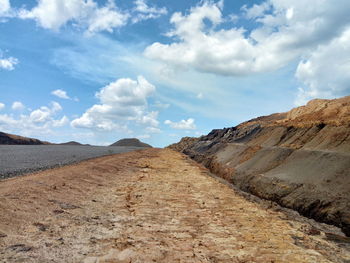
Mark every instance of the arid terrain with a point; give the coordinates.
(151, 206)
(300, 159)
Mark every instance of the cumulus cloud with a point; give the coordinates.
(17, 105)
(122, 101)
(8, 63)
(2, 106)
(44, 114)
(106, 19)
(182, 125)
(86, 14)
(38, 121)
(144, 12)
(60, 94)
(4, 7)
(326, 71)
(287, 31)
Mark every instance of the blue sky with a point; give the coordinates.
(98, 71)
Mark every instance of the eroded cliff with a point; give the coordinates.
(300, 159)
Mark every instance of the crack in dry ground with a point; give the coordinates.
(147, 206)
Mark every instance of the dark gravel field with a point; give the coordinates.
(21, 159)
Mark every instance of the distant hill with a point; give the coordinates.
(71, 143)
(11, 139)
(131, 142)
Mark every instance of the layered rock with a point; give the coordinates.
(300, 159)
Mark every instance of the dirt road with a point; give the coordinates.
(147, 206)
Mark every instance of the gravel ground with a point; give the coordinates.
(21, 159)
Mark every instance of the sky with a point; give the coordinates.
(96, 71)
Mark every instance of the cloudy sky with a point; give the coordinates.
(96, 71)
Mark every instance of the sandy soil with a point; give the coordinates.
(148, 206)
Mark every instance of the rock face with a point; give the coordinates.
(10, 139)
(300, 159)
(131, 142)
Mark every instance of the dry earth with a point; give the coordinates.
(149, 206)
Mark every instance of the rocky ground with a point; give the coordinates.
(151, 206)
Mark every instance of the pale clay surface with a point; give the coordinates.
(147, 206)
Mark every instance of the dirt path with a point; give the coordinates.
(147, 206)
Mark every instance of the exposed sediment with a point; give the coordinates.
(300, 159)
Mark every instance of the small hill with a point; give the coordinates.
(11, 139)
(73, 143)
(133, 142)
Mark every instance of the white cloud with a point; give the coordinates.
(8, 63)
(144, 12)
(161, 105)
(60, 122)
(144, 136)
(56, 107)
(287, 31)
(149, 119)
(38, 122)
(88, 15)
(4, 6)
(182, 125)
(2, 106)
(61, 94)
(256, 11)
(200, 95)
(106, 19)
(326, 71)
(121, 101)
(153, 130)
(17, 105)
(223, 52)
(40, 115)
(53, 14)
(44, 114)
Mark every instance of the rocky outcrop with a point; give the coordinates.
(185, 143)
(300, 159)
(10, 139)
(131, 142)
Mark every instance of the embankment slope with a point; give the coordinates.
(300, 159)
